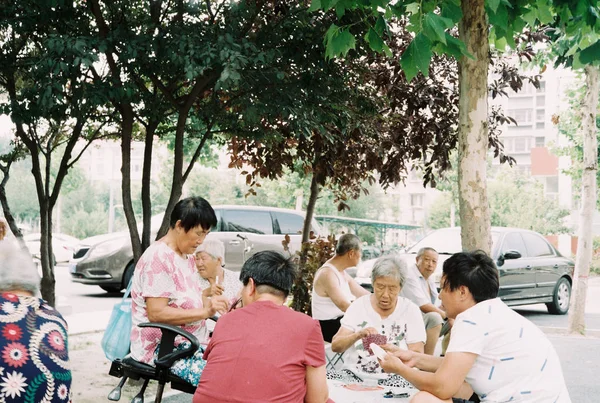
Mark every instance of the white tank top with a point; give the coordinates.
(323, 308)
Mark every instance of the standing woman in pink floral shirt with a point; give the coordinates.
(166, 287)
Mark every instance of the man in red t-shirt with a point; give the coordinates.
(265, 352)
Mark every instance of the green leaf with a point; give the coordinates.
(416, 57)
(590, 54)
(500, 17)
(588, 39)
(413, 8)
(456, 48)
(493, 4)
(435, 27)
(544, 14)
(328, 4)
(380, 26)
(338, 42)
(387, 50)
(451, 10)
(530, 16)
(314, 5)
(374, 40)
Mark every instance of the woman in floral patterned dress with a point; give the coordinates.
(166, 288)
(34, 358)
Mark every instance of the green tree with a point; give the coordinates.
(51, 101)
(479, 24)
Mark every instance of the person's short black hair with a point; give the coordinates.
(272, 269)
(193, 212)
(474, 270)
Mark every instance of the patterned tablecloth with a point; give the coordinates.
(340, 394)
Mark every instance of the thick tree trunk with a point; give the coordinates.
(473, 131)
(588, 201)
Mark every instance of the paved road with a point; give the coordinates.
(76, 298)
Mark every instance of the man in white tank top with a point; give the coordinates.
(333, 289)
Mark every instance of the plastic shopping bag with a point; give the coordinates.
(117, 336)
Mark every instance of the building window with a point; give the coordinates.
(542, 87)
(552, 184)
(540, 141)
(540, 100)
(522, 116)
(416, 200)
(521, 144)
(540, 125)
(540, 114)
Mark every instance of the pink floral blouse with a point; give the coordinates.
(162, 273)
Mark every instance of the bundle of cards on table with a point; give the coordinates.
(378, 339)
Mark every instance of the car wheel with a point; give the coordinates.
(111, 288)
(560, 298)
(127, 275)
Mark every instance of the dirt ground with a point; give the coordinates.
(89, 366)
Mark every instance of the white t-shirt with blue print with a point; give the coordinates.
(515, 360)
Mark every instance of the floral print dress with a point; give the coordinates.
(162, 273)
(34, 358)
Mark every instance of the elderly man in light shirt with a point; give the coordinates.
(420, 288)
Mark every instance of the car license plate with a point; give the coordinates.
(72, 267)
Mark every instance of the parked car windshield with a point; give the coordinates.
(445, 241)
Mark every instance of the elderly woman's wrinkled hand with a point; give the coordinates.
(216, 289)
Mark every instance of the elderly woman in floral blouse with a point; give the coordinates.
(34, 356)
(166, 287)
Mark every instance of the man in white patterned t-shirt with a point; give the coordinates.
(494, 351)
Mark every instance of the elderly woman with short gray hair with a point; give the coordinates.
(215, 278)
(34, 355)
(382, 317)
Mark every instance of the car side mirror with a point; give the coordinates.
(512, 254)
(509, 254)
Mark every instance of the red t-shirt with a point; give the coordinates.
(259, 354)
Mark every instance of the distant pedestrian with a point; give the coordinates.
(34, 353)
(493, 351)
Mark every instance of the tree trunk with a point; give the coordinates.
(310, 208)
(473, 131)
(126, 138)
(588, 201)
(303, 285)
(10, 219)
(146, 179)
